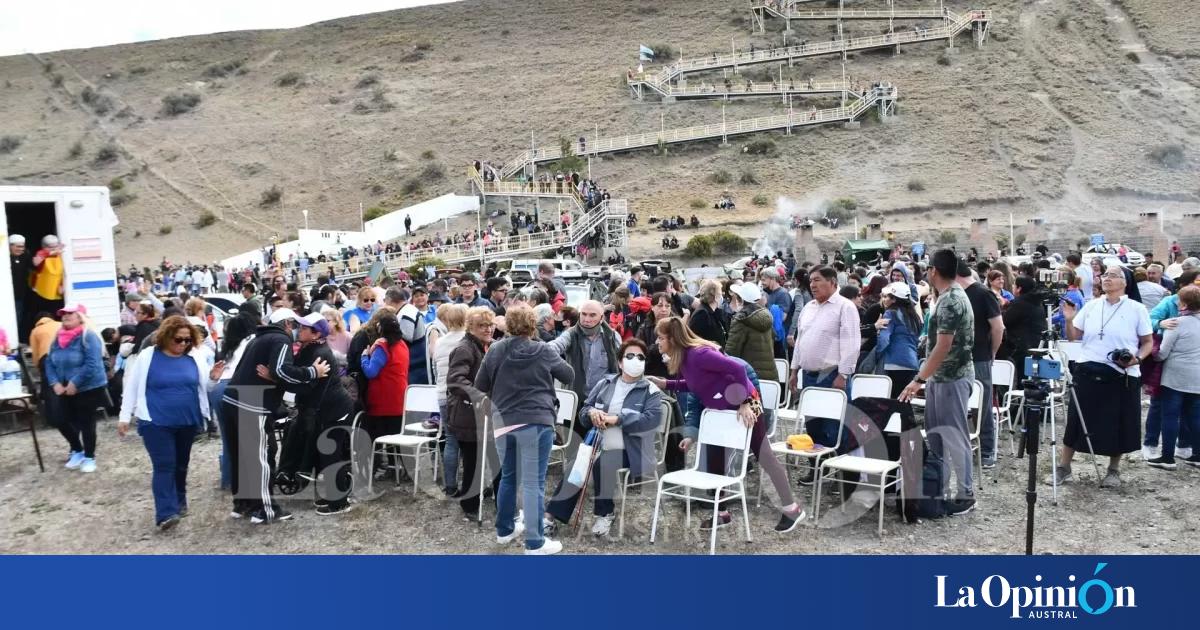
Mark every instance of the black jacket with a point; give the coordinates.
(271, 347)
(461, 395)
(710, 324)
(1024, 322)
(325, 398)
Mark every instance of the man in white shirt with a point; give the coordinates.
(1083, 275)
(1107, 391)
(827, 344)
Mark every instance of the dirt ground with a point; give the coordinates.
(1059, 115)
(111, 511)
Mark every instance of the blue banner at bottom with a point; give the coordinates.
(569, 592)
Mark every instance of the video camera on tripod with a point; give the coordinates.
(1052, 287)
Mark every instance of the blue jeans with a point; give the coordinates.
(449, 456)
(525, 451)
(823, 431)
(170, 448)
(1154, 425)
(214, 408)
(1178, 409)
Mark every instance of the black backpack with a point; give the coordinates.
(924, 480)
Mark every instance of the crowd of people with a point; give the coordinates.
(933, 324)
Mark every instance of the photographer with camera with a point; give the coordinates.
(1115, 331)
(1024, 321)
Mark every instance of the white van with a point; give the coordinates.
(83, 220)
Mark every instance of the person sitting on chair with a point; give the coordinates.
(627, 409)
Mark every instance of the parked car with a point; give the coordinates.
(1110, 249)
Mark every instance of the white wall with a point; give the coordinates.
(391, 225)
(385, 228)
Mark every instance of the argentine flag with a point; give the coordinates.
(645, 53)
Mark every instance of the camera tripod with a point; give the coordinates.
(1046, 408)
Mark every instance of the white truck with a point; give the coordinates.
(83, 220)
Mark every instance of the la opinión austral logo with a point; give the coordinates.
(1039, 600)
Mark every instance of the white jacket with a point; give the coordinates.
(133, 400)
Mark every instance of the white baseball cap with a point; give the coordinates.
(748, 291)
(898, 290)
(16, 239)
(282, 315)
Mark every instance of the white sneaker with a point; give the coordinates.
(602, 525)
(75, 460)
(1183, 453)
(549, 547)
(518, 529)
(88, 465)
(1149, 452)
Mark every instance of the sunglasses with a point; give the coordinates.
(629, 356)
(368, 301)
(182, 340)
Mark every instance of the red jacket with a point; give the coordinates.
(385, 393)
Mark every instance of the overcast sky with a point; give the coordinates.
(48, 25)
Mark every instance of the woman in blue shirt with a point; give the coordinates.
(168, 394)
(75, 370)
(898, 327)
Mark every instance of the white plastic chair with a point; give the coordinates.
(975, 412)
(719, 429)
(425, 402)
(568, 407)
(815, 402)
(783, 373)
(416, 398)
(1004, 374)
(772, 400)
(870, 386)
(854, 464)
(660, 452)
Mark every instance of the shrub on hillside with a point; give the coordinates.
(289, 79)
(96, 101)
(843, 209)
(107, 153)
(699, 246)
(947, 237)
(664, 52)
(116, 183)
(766, 146)
(1132, 56)
(411, 187)
(727, 242)
(271, 196)
(389, 155)
(120, 198)
(206, 219)
(76, 150)
(760, 200)
(164, 230)
(748, 178)
(433, 172)
(720, 177)
(1168, 155)
(179, 103)
(8, 144)
(222, 70)
(367, 80)
(427, 154)
(697, 203)
(916, 185)
(374, 212)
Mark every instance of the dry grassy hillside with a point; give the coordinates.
(1071, 111)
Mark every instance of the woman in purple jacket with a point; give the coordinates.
(721, 382)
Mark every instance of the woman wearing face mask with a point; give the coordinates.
(627, 408)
